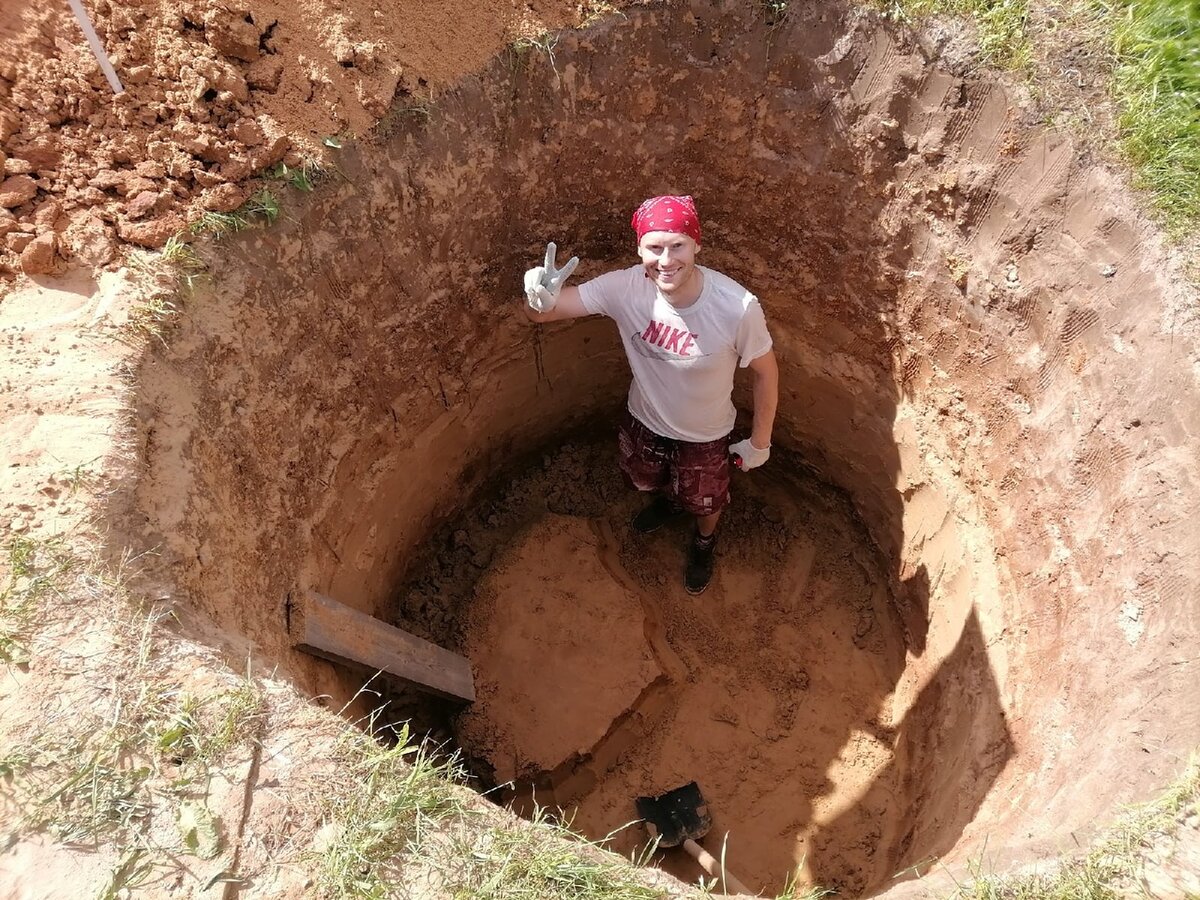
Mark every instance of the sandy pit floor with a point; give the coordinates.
(600, 679)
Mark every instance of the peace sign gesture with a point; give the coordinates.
(543, 283)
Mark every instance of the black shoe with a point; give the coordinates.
(699, 569)
(661, 511)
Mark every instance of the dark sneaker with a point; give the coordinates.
(661, 511)
(699, 569)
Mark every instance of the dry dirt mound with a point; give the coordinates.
(215, 94)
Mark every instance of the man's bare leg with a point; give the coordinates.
(706, 525)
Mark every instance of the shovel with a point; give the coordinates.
(680, 817)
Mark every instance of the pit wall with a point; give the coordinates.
(1015, 427)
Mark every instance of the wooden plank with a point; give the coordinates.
(323, 627)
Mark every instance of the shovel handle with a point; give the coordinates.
(713, 867)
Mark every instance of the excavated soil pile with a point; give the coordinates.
(972, 627)
(214, 93)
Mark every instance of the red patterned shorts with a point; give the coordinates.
(697, 475)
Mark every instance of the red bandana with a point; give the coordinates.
(674, 214)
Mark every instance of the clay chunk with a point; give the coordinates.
(16, 190)
(38, 256)
(231, 35)
(558, 649)
(152, 233)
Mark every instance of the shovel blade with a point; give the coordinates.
(675, 816)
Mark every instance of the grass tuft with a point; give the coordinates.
(545, 42)
(303, 178)
(1100, 874)
(262, 205)
(79, 475)
(413, 107)
(79, 789)
(153, 317)
(1156, 83)
(133, 871)
(793, 891)
(35, 569)
(203, 731)
(1000, 25)
(776, 11)
(592, 11)
(219, 224)
(185, 268)
(396, 795)
(100, 774)
(543, 862)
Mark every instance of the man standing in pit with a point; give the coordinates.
(685, 329)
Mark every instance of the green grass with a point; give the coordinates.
(188, 268)
(93, 780)
(793, 891)
(203, 731)
(1153, 48)
(1156, 83)
(303, 178)
(174, 273)
(219, 224)
(393, 798)
(132, 871)
(543, 862)
(80, 475)
(152, 317)
(263, 206)
(78, 787)
(98, 774)
(1000, 25)
(35, 569)
(1104, 872)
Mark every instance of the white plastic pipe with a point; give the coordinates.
(97, 48)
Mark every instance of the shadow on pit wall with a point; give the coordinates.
(768, 126)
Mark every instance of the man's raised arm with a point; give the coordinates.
(546, 299)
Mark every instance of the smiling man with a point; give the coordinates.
(686, 329)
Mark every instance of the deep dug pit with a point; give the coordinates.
(599, 679)
(956, 610)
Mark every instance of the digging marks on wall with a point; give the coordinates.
(862, 290)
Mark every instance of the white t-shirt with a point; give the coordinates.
(683, 360)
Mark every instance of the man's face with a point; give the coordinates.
(669, 259)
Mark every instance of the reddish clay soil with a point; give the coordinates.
(216, 93)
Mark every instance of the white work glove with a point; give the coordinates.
(543, 283)
(746, 456)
